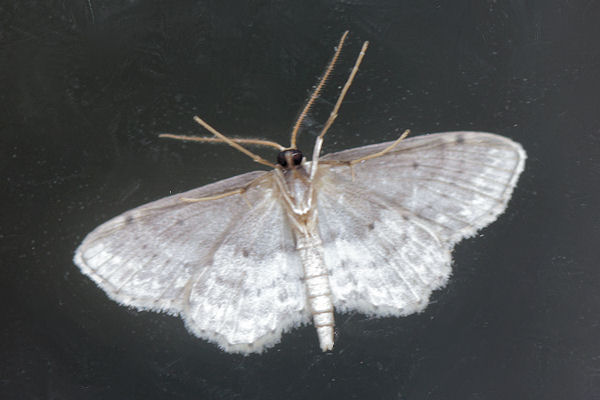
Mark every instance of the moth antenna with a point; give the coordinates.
(257, 142)
(233, 144)
(333, 115)
(336, 108)
(317, 90)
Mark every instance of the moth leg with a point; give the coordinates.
(382, 152)
(241, 191)
(215, 197)
(258, 142)
(233, 144)
(351, 163)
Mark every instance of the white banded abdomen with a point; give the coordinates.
(318, 290)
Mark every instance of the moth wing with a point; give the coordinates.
(227, 266)
(456, 182)
(389, 223)
(381, 260)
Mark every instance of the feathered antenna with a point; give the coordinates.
(317, 90)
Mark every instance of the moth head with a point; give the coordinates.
(289, 158)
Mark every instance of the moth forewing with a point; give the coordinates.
(457, 182)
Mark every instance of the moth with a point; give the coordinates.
(366, 230)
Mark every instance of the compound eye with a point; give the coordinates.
(294, 155)
(297, 157)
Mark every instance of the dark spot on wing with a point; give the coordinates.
(415, 165)
(371, 226)
(245, 253)
(144, 246)
(352, 279)
(405, 217)
(128, 219)
(460, 139)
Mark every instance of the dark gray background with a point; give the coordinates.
(84, 95)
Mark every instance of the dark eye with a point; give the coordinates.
(297, 157)
(294, 154)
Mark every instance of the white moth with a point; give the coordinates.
(368, 229)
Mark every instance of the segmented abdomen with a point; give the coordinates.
(318, 290)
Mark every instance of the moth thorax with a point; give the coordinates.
(289, 158)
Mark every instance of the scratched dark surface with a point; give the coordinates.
(87, 86)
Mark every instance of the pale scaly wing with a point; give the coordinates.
(227, 266)
(389, 223)
(381, 260)
(457, 182)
